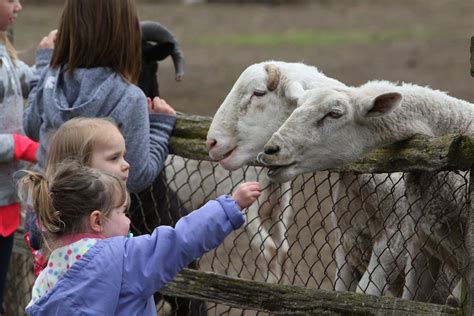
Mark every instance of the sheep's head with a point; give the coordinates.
(257, 105)
(330, 127)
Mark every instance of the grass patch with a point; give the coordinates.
(316, 38)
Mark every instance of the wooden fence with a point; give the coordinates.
(450, 152)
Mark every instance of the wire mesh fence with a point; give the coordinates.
(327, 230)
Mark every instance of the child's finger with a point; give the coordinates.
(254, 187)
(256, 193)
(254, 184)
(149, 103)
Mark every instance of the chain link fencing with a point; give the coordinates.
(325, 230)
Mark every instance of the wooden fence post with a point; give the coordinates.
(468, 287)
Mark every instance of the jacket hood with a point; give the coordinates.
(101, 86)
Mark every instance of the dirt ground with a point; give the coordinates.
(420, 41)
(423, 41)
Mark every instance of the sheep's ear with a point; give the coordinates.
(383, 104)
(294, 91)
(273, 79)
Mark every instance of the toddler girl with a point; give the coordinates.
(95, 142)
(94, 268)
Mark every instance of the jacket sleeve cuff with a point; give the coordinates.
(232, 211)
(24, 148)
(162, 123)
(163, 119)
(43, 57)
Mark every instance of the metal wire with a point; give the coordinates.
(324, 214)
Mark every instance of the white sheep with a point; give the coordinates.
(250, 113)
(332, 127)
(260, 101)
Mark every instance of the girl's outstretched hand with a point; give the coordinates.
(48, 41)
(246, 193)
(158, 105)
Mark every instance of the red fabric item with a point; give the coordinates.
(39, 259)
(25, 148)
(9, 219)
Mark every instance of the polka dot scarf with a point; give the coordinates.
(59, 262)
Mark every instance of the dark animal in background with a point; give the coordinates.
(157, 44)
(158, 204)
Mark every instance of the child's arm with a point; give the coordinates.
(17, 147)
(43, 56)
(26, 74)
(153, 260)
(146, 139)
(32, 115)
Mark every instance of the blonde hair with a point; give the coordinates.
(63, 200)
(76, 139)
(8, 45)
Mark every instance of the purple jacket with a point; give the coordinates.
(119, 275)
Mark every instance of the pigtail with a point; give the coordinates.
(35, 190)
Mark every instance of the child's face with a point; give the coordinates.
(109, 154)
(8, 11)
(117, 223)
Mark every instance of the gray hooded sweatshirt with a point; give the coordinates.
(14, 78)
(58, 96)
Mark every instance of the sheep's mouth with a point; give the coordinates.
(275, 170)
(226, 159)
(228, 154)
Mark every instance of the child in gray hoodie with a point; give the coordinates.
(94, 75)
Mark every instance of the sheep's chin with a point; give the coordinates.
(282, 173)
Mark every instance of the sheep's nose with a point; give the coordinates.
(211, 143)
(271, 150)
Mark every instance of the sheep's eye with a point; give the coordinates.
(335, 114)
(258, 93)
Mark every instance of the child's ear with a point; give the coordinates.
(95, 221)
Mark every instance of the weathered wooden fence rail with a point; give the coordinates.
(283, 299)
(294, 300)
(450, 152)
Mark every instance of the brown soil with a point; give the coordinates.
(423, 41)
(420, 41)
